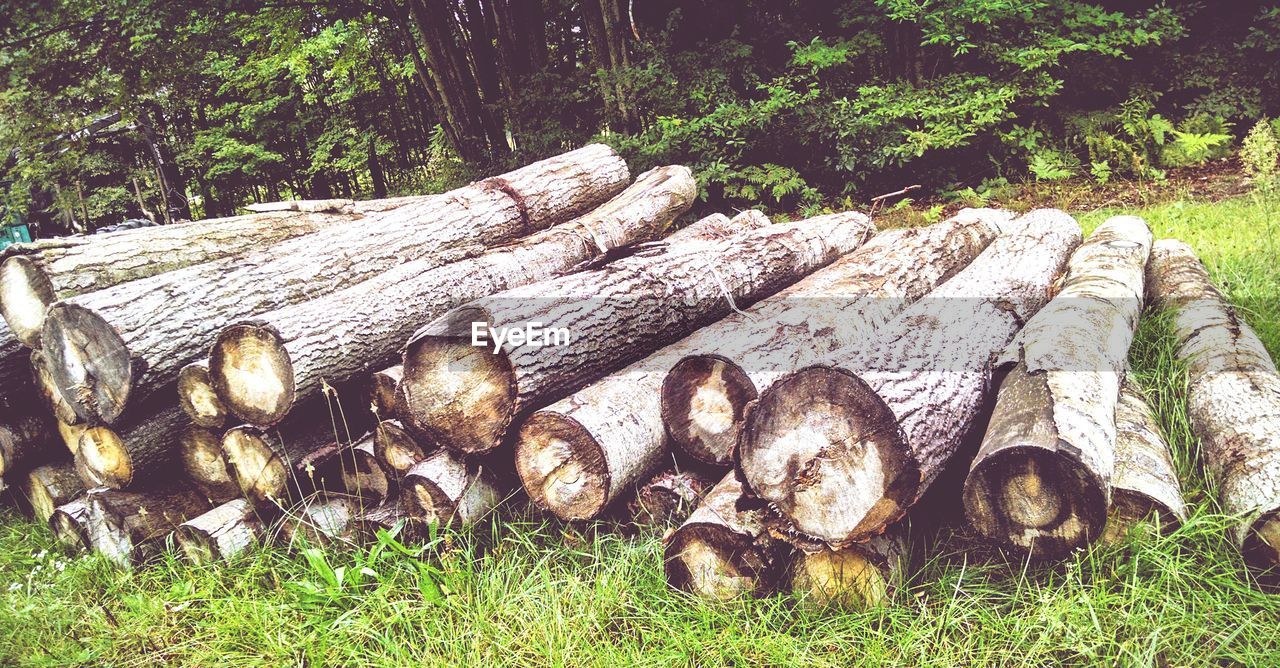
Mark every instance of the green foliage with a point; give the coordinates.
(1050, 166)
(1260, 155)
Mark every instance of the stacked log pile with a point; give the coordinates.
(773, 398)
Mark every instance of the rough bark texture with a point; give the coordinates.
(393, 517)
(1041, 482)
(311, 205)
(1234, 399)
(15, 370)
(447, 490)
(321, 519)
(667, 499)
(220, 534)
(132, 454)
(468, 397)
(840, 450)
(114, 346)
(197, 397)
(27, 440)
(719, 370)
(50, 397)
(384, 390)
(129, 527)
(363, 475)
(203, 461)
(262, 367)
(70, 523)
(35, 275)
(1145, 484)
(722, 552)
(856, 577)
(51, 485)
(396, 448)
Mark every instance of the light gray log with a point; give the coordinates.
(841, 450)
(205, 464)
(129, 527)
(220, 534)
(397, 449)
(197, 397)
(51, 485)
(445, 489)
(1145, 485)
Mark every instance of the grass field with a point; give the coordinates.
(528, 592)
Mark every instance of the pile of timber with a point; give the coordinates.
(775, 398)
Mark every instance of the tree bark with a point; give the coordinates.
(723, 552)
(363, 475)
(35, 275)
(129, 527)
(15, 370)
(70, 523)
(1041, 482)
(667, 499)
(197, 397)
(50, 397)
(615, 315)
(396, 448)
(842, 449)
(450, 491)
(272, 466)
(384, 389)
(391, 516)
(262, 367)
(26, 441)
(1233, 401)
(857, 577)
(51, 485)
(320, 519)
(1145, 484)
(205, 464)
(132, 454)
(220, 534)
(125, 343)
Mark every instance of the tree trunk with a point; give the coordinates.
(392, 517)
(841, 450)
(345, 206)
(50, 397)
(667, 499)
(397, 449)
(220, 534)
(128, 342)
(363, 475)
(857, 577)
(447, 490)
(26, 441)
(722, 552)
(50, 486)
(197, 397)
(1233, 403)
(129, 527)
(708, 379)
(273, 466)
(611, 316)
(1145, 484)
(70, 523)
(384, 389)
(204, 462)
(15, 370)
(261, 368)
(1041, 482)
(35, 275)
(320, 519)
(132, 454)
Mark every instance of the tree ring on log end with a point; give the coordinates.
(839, 578)
(1261, 549)
(714, 562)
(25, 293)
(1036, 500)
(198, 398)
(202, 457)
(396, 447)
(562, 466)
(251, 372)
(703, 400)
(827, 452)
(457, 394)
(260, 472)
(103, 459)
(89, 362)
(431, 503)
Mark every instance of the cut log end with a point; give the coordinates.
(103, 460)
(261, 474)
(1130, 509)
(384, 389)
(251, 372)
(25, 293)
(197, 397)
(204, 462)
(562, 466)
(70, 524)
(49, 486)
(219, 534)
(89, 362)
(713, 562)
(846, 579)
(704, 398)
(458, 395)
(1035, 500)
(1261, 549)
(363, 476)
(396, 448)
(826, 452)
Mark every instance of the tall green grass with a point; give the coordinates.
(523, 591)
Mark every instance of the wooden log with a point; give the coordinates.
(724, 551)
(390, 516)
(115, 346)
(70, 523)
(842, 449)
(723, 367)
(272, 466)
(362, 474)
(857, 577)
(321, 519)
(1145, 484)
(260, 368)
(70, 434)
(204, 463)
(1233, 401)
(133, 453)
(384, 389)
(26, 440)
(469, 397)
(51, 485)
(15, 371)
(1041, 482)
(668, 498)
(34, 275)
(223, 533)
(130, 527)
(312, 205)
(197, 397)
(49, 396)
(447, 490)
(397, 449)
